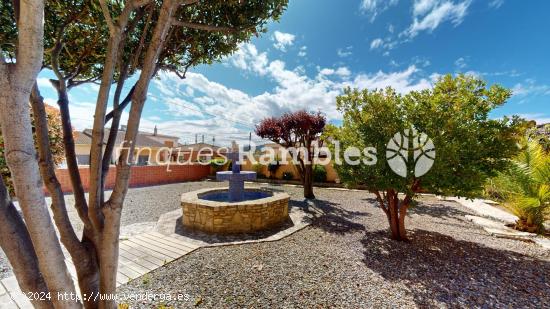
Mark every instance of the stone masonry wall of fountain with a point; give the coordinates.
(239, 217)
(235, 209)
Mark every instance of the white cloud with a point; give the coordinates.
(460, 63)
(421, 61)
(530, 87)
(293, 90)
(373, 8)
(402, 82)
(283, 40)
(385, 44)
(344, 52)
(376, 43)
(421, 7)
(429, 14)
(303, 51)
(248, 58)
(495, 4)
(326, 72)
(343, 72)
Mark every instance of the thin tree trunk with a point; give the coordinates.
(16, 82)
(17, 245)
(113, 207)
(308, 182)
(82, 253)
(396, 212)
(70, 158)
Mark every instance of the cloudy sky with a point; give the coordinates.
(319, 47)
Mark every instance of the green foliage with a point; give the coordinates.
(470, 146)
(288, 176)
(258, 168)
(319, 173)
(80, 27)
(542, 135)
(524, 188)
(218, 163)
(55, 134)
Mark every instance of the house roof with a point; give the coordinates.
(142, 140)
(199, 146)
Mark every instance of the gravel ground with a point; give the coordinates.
(5, 268)
(345, 259)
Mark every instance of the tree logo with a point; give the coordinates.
(410, 152)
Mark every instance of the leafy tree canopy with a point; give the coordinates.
(201, 34)
(470, 145)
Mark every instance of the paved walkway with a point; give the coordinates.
(493, 220)
(484, 209)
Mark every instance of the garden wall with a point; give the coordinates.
(332, 176)
(141, 175)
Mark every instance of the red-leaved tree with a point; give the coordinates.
(297, 131)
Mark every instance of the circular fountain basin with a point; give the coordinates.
(208, 210)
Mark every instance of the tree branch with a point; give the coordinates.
(46, 164)
(380, 201)
(135, 60)
(70, 156)
(121, 106)
(107, 16)
(204, 27)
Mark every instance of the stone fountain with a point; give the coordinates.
(236, 178)
(234, 209)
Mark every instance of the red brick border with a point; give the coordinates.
(140, 176)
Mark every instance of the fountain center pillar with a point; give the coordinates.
(236, 178)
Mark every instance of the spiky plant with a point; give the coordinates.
(525, 186)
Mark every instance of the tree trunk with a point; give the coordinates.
(16, 82)
(396, 213)
(82, 252)
(16, 243)
(112, 209)
(308, 182)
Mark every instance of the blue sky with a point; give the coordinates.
(319, 47)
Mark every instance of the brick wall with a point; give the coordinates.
(140, 176)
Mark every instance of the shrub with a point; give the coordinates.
(524, 187)
(218, 163)
(258, 168)
(288, 176)
(319, 173)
